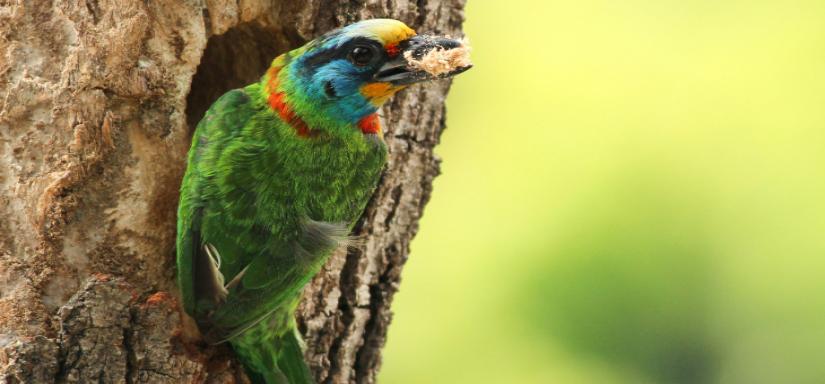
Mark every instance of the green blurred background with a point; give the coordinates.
(632, 192)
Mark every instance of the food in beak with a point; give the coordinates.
(426, 58)
(439, 61)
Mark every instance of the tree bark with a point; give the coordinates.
(98, 99)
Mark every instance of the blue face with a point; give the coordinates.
(332, 74)
(328, 76)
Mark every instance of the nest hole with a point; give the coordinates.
(233, 60)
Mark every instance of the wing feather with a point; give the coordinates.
(198, 277)
(271, 275)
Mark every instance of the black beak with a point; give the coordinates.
(398, 70)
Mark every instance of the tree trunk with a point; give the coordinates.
(98, 100)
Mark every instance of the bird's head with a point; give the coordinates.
(338, 81)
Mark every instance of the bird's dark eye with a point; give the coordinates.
(361, 55)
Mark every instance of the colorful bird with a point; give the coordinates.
(277, 174)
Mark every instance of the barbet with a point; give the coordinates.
(277, 174)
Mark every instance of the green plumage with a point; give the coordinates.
(270, 200)
(277, 174)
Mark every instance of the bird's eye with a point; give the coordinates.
(361, 56)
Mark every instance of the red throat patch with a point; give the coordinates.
(370, 124)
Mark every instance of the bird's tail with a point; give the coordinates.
(272, 358)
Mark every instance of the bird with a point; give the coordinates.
(277, 174)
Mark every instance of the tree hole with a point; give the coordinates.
(232, 60)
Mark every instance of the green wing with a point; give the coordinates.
(232, 270)
(219, 126)
(272, 280)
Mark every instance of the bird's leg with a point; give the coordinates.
(213, 254)
(237, 279)
(217, 287)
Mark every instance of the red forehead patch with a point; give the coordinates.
(392, 49)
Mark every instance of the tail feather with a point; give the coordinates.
(272, 358)
(291, 359)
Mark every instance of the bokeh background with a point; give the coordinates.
(632, 192)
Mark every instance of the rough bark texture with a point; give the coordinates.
(97, 103)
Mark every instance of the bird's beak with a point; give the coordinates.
(400, 71)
